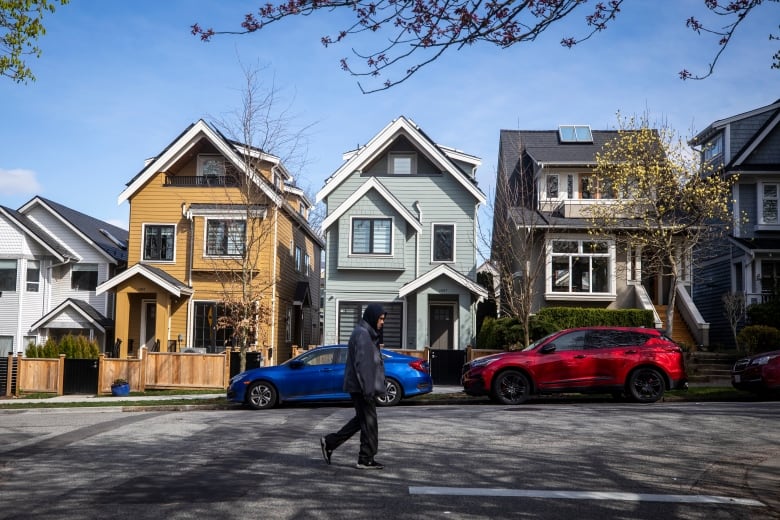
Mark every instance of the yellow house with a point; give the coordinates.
(214, 224)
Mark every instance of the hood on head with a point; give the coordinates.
(372, 313)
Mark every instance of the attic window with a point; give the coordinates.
(575, 134)
(402, 163)
(211, 165)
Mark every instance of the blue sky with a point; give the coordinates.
(119, 80)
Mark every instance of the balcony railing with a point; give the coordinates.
(202, 180)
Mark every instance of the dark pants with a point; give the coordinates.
(364, 421)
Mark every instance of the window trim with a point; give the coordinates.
(144, 228)
(451, 225)
(203, 158)
(15, 274)
(392, 156)
(609, 295)
(760, 204)
(372, 219)
(33, 283)
(298, 259)
(82, 267)
(226, 254)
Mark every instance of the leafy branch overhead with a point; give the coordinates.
(21, 24)
(418, 32)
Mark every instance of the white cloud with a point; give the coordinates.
(18, 182)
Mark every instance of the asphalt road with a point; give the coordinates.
(591, 460)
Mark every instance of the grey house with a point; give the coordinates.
(747, 145)
(401, 230)
(545, 185)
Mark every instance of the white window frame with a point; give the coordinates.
(713, 148)
(144, 227)
(306, 264)
(33, 285)
(15, 270)
(433, 242)
(372, 217)
(298, 259)
(610, 255)
(391, 164)
(87, 268)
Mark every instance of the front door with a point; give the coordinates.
(442, 326)
(148, 319)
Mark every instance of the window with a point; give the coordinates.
(158, 242)
(208, 334)
(769, 206)
(211, 165)
(33, 275)
(371, 236)
(306, 263)
(225, 237)
(83, 277)
(580, 266)
(443, 243)
(7, 275)
(552, 186)
(713, 148)
(298, 258)
(288, 324)
(593, 188)
(402, 163)
(575, 134)
(6, 345)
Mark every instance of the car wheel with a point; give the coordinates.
(393, 393)
(646, 385)
(261, 395)
(511, 387)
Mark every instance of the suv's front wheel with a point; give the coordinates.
(510, 387)
(646, 385)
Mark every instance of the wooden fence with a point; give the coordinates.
(149, 371)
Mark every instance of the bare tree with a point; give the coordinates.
(243, 264)
(419, 32)
(662, 201)
(515, 249)
(734, 310)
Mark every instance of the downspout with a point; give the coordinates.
(187, 214)
(273, 285)
(418, 207)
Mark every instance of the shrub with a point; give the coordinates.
(500, 334)
(755, 339)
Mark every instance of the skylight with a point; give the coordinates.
(575, 134)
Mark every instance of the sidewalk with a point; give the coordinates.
(110, 400)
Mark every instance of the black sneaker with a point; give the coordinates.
(371, 464)
(326, 453)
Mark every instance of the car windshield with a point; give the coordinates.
(537, 342)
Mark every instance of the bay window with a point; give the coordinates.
(580, 266)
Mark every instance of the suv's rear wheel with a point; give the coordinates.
(511, 387)
(646, 385)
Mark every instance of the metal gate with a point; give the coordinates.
(80, 376)
(253, 360)
(446, 366)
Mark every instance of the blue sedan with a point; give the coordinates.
(318, 375)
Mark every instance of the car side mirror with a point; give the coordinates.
(548, 349)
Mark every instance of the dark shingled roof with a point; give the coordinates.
(33, 228)
(544, 146)
(97, 231)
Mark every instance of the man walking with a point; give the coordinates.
(364, 379)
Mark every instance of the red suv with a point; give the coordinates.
(638, 362)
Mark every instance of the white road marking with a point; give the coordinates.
(582, 495)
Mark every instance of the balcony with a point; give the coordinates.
(199, 181)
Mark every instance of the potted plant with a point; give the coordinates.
(120, 387)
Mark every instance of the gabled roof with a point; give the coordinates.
(358, 194)
(757, 245)
(109, 240)
(771, 125)
(189, 138)
(155, 275)
(441, 156)
(32, 230)
(720, 124)
(449, 272)
(302, 294)
(545, 148)
(92, 315)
